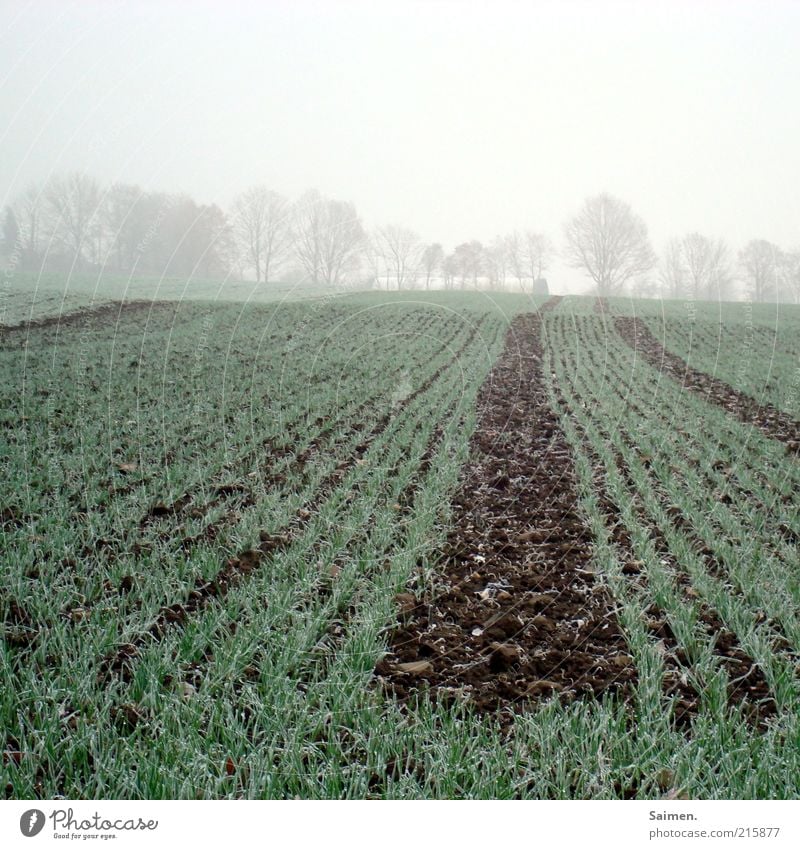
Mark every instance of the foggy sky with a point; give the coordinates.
(460, 120)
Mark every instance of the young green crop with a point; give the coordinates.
(143, 454)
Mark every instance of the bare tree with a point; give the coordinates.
(468, 260)
(707, 265)
(496, 263)
(536, 254)
(261, 226)
(75, 201)
(125, 217)
(672, 270)
(515, 257)
(307, 233)
(609, 241)
(11, 233)
(401, 252)
(328, 237)
(760, 262)
(720, 271)
(431, 261)
(376, 262)
(449, 270)
(644, 286)
(343, 241)
(789, 274)
(29, 210)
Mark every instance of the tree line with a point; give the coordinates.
(74, 223)
(609, 242)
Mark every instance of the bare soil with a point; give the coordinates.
(108, 312)
(518, 614)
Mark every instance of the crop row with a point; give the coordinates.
(663, 511)
(343, 511)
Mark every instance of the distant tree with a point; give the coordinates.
(468, 260)
(126, 219)
(191, 239)
(672, 270)
(74, 201)
(431, 262)
(262, 228)
(760, 263)
(219, 248)
(328, 237)
(496, 263)
(307, 233)
(536, 254)
(609, 242)
(540, 287)
(376, 263)
(11, 233)
(789, 275)
(343, 241)
(645, 286)
(449, 270)
(153, 234)
(707, 265)
(401, 251)
(514, 257)
(695, 265)
(29, 210)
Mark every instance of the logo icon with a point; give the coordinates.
(31, 822)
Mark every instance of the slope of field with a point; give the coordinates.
(20, 305)
(754, 348)
(771, 421)
(26, 297)
(219, 522)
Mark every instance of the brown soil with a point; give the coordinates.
(112, 311)
(772, 422)
(518, 614)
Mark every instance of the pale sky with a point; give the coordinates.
(461, 120)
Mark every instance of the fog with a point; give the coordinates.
(459, 120)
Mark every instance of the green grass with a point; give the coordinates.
(247, 414)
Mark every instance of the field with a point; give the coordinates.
(409, 545)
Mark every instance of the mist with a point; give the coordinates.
(459, 121)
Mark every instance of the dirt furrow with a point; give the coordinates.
(518, 614)
(769, 420)
(109, 311)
